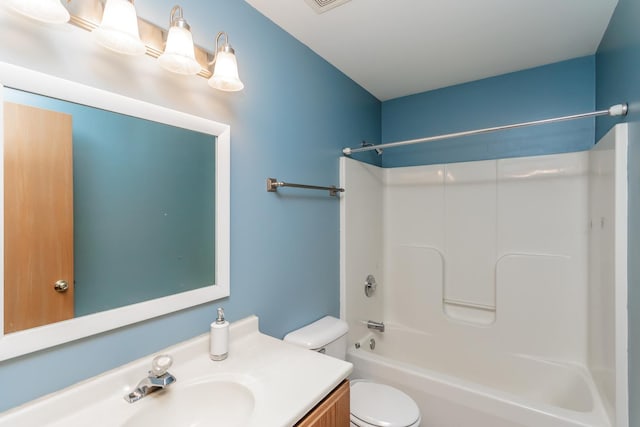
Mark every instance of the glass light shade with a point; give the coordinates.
(179, 56)
(225, 73)
(49, 11)
(119, 28)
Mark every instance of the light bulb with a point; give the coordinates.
(119, 28)
(225, 72)
(179, 55)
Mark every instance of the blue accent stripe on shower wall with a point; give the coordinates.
(554, 90)
(618, 80)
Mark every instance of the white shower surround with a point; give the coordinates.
(538, 254)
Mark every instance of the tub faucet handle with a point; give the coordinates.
(370, 285)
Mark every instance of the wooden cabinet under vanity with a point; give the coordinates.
(332, 411)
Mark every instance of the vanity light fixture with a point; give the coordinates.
(225, 67)
(179, 56)
(119, 28)
(48, 11)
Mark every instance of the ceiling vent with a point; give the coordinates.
(321, 6)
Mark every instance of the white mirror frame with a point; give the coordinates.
(30, 340)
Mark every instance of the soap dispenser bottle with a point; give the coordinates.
(219, 339)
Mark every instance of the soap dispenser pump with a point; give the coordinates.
(219, 338)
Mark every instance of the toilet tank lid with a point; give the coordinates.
(319, 333)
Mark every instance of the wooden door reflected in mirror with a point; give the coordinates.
(38, 230)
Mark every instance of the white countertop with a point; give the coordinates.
(286, 382)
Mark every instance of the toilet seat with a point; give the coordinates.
(355, 422)
(380, 405)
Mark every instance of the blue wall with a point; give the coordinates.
(295, 115)
(553, 90)
(618, 80)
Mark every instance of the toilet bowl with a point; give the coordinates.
(376, 405)
(372, 404)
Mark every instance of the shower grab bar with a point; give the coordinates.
(273, 184)
(615, 110)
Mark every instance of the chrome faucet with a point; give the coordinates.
(378, 326)
(158, 379)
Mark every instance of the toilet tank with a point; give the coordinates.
(327, 335)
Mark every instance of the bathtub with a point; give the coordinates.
(458, 387)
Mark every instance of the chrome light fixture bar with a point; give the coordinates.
(88, 14)
(152, 35)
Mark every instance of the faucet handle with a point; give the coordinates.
(160, 365)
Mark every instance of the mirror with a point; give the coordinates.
(114, 209)
(141, 196)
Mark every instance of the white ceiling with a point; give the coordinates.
(394, 48)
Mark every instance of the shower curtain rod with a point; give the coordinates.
(615, 110)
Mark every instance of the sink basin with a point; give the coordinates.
(219, 402)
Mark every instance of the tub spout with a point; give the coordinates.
(378, 326)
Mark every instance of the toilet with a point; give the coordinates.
(372, 404)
